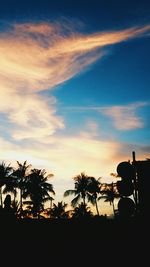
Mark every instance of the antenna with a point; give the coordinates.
(133, 156)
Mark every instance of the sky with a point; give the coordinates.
(74, 86)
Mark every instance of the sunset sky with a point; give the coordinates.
(74, 86)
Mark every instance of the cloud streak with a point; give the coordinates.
(124, 117)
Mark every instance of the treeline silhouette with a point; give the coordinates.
(24, 191)
(27, 203)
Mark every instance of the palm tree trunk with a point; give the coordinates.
(84, 201)
(113, 208)
(51, 202)
(14, 206)
(84, 204)
(96, 207)
(20, 202)
(1, 197)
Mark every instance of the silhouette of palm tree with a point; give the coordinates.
(82, 211)
(7, 202)
(80, 191)
(37, 189)
(94, 186)
(21, 173)
(58, 210)
(51, 205)
(11, 186)
(5, 172)
(109, 193)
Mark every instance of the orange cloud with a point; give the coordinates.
(82, 44)
(40, 56)
(125, 117)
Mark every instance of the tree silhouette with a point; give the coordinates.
(37, 189)
(11, 185)
(93, 191)
(82, 211)
(58, 210)
(109, 193)
(80, 191)
(7, 202)
(51, 205)
(5, 172)
(21, 174)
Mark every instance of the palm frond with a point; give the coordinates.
(75, 201)
(69, 192)
(91, 198)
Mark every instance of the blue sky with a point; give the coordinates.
(74, 85)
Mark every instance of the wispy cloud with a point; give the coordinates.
(125, 117)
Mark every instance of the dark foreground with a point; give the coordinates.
(76, 242)
(75, 229)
